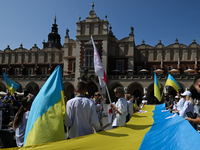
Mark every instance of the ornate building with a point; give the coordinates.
(122, 61)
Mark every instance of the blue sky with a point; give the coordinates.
(29, 21)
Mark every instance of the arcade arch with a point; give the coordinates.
(92, 88)
(2, 87)
(32, 88)
(135, 89)
(68, 90)
(111, 91)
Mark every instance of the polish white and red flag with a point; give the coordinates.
(98, 67)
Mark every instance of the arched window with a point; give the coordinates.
(29, 57)
(70, 51)
(126, 50)
(172, 55)
(82, 30)
(91, 29)
(16, 58)
(100, 29)
(45, 57)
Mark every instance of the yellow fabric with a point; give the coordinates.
(52, 124)
(11, 90)
(63, 103)
(122, 138)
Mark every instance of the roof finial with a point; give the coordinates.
(55, 19)
(79, 18)
(93, 5)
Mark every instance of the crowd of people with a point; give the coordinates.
(84, 115)
(185, 106)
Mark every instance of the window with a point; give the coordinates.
(153, 68)
(30, 71)
(16, 58)
(169, 68)
(82, 30)
(29, 57)
(44, 71)
(89, 58)
(126, 50)
(120, 65)
(138, 69)
(4, 70)
(70, 51)
(73, 66)
(16, 71)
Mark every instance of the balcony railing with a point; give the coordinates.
(151, 77)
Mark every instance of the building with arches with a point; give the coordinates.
(122, 59)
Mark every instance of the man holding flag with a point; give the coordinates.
(100, 72)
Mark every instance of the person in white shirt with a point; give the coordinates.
(144, 102)
(188, 105)
(129, 107)
(21, 119)
(181, 102)
(81, 117)
(120, 108)
(176, 100)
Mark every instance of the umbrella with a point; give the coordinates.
(189, 71)
(130, 70)
(158, 71)
(18, 93)
(115, 70)
(3, 93)
(174, 71)
(144, 70)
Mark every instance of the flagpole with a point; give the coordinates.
(108, 94)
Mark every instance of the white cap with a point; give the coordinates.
(186, 93)
(177, 96)
(144, 97)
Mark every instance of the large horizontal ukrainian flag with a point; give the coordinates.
(151, 129)
(45, 121)
(11, 85)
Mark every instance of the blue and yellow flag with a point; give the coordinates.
(172, 82)
(45, 121)
(12, 86)
(157, 87)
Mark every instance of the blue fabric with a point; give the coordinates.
(173, 133)
(46, 98)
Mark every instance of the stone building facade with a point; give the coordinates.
(122, 59)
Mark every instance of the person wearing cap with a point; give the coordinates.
(175, 103)
(144, 102)
(188, 105)
(181, 102)
(196, 85)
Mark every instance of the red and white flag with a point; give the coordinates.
(98, 67)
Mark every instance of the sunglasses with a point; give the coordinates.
(97, 95)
